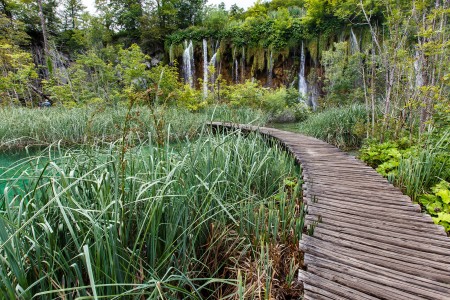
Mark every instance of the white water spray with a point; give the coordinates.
(205, 69)
(171, 56)
(212, 63)
(302, 84)
(188, 63)
(354, 45)
(270, 69)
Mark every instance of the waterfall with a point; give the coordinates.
(212, 63)
(205, 69)
(302, 84)
(354, 45)
(188, 63)
(314, 95)
(270, 69)
(235, 69)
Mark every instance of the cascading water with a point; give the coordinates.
(212, 63)
(205, 68)
(354, 45)
(270, 69)
(188, 63)
(235, 69)
(302, 84)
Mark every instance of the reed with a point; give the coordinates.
(189, 221)
(337, 126)
(20, 127)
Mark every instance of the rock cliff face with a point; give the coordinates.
(234, 65)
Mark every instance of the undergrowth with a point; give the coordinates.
(420, 169)
(216, 218)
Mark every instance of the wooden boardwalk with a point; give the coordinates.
(370, 241)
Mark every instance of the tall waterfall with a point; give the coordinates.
(188, 63)
(354, 45)
(212, 63)
(243, 65)
(235, 69)
(270, 69)
(205, 68)
(302, 84)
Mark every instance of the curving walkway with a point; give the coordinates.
(370, 241)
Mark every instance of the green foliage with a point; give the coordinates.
(415, 169)
(437, 204)
(163, 224)
(337, 126)
(99, 123)
(190, 98)
(385, 157)
(342, 73)
(18, 73)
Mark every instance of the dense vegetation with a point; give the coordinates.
(217, 217)
(139, 200)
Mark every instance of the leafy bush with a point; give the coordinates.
(384, 157)
(337, 126)
(437, 204)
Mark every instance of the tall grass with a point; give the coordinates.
(337, 126)
(418, 172)
(209, 219)
(20, 127)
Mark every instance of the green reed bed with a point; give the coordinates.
(215, 218)
(341, 126)
(20, 127)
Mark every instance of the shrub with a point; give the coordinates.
(437, 204)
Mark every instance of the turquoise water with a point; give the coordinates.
(12, 165)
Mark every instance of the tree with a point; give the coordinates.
(72, 10)
(189, 12)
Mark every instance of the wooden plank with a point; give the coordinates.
(311, 245)
(329, 286)
(375, 213)
(384, 277)
(312, 290)
(420, 244)
(430, 240)
(368, 198)
(374, 224)
(357, 281)
(437, 261)
(367, 204)
(427, 228)
(376, 270)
